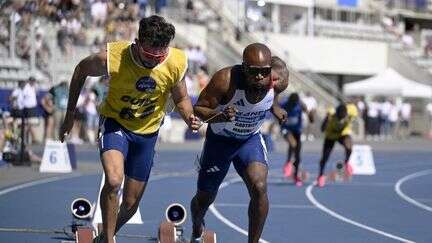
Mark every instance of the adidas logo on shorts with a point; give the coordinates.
(213, 169)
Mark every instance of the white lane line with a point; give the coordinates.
(312, 199)
(37, 182)
(69, 176)
(425, 200)
(243, 205)
(225, 220)
(398, 190)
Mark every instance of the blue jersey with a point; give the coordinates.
(294, 118)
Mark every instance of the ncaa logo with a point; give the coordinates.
(146, 84)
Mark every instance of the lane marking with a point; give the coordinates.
(284, 206)
(398, 190)
(226, 221)
(37, 182)
(59, 178)
(320, 206)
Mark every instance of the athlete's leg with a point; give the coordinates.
(113, 147)
(292, 145)
(251, 164)
(346, 142)
(132, 194)
(214, 165)
(199, 206)
(297, 152)
(138, 164)
(113, 164)
(255, 177)
(327, 148)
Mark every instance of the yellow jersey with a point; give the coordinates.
(335, 129)
(137, 95)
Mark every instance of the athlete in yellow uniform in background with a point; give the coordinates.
(143, 75)
(337, 126)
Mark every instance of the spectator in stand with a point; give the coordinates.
(311, 106)
(429, 113)
(100, 88)
(405, 114)
(202, 78)
(48, 107)
(91, 115)
(59, 95)
(3, 129)
(385, 108)
(393, 118)
(30, 108)
(142, 4)
(372, 120)
(99, 12)
(16, 100)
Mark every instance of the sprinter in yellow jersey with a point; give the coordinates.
(337, 127)
(142, 76)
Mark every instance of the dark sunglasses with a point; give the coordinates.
(256, 70)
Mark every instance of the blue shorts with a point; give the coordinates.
(137, 149)
(220, 151)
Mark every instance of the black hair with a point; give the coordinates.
(293, 99)
(155, 31)
(280, 67)
(341, 110)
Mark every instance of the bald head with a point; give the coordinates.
(257, 54)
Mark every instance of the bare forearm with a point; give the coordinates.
(77, 82)
(209, 115)
(184, 108)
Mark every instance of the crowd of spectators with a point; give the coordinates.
(384, 118)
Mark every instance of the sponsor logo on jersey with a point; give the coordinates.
(146, 84)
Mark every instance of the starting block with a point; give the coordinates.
(84, 235)
(338, 174)
(171, 231)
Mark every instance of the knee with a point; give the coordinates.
(259, 189)
(113, 182)
(203, 199)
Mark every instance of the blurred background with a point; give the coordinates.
(374, 53)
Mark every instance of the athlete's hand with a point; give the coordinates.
(194, 122)
(67, 125)
(229, 113)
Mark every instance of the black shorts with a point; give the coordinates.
(27, 112)
(330, 142)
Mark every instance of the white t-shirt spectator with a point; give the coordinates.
(373, 109)
(18, 99)
(429, 109)
(30, 100)
(406, 111)
(394, 113)
(90, 104)
(385, 109)
(310, 102)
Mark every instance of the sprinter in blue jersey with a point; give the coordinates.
(291, 130)
(235, 103)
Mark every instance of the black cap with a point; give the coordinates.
(31, 78)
